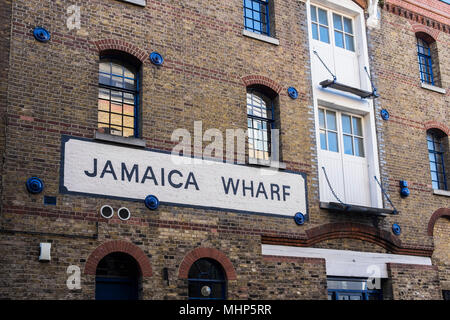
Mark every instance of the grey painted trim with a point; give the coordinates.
(444, 193)
(261, 37)
(118, 139)
(432, 88)
(142, 3)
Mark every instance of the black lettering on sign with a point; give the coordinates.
(94, 173)
(108, 169)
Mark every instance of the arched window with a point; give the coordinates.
(437, 148)
(425, 61)
(118, 97)
(207, 280)
(117, 278)
(260, 120)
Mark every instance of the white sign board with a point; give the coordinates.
(105, 170)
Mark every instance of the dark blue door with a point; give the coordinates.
(115, 289)
(117, 278)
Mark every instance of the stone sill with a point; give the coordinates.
(444, 193)
(141, 3)
(135, 142)
(267, 163)
(432, 88)
(261, 37)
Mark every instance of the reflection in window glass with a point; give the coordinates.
(117, 98)
(259, 123)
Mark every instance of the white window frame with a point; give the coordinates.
(347, 103)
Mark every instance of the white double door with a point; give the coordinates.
(345, 162)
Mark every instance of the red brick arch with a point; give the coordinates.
(442, 212)
(121, 45)
(118, 246)
(211, 253)
(262, 80)
(437, 125)
(431, 35)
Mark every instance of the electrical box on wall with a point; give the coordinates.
(45, 251)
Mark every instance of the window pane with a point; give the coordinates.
(323, 19)
(348, 145)
(346, 124)
(116, 96)
(339, 39)
(115, 107)
(323, 140)
(128, 122)
(128, 110)
(116, 119)
(332, 142)
(128, 132)
(331, 120)
(435, 185)
(117, 69)
(359, 147)
(357, 127)
(128, 98)
(249, 23)
(321, 118)
(313, 13)
(430, 145)
(103, 105)
(349, 44)
(348, 25)
(129, 84)
(103, 117)
(103, 94)
(128, 73)
(324, 36)
(105, 67)
(117, 81)
(315, 32)
(337, 21)
(104, 79)
(434, 176)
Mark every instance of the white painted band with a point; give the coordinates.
(345, 263)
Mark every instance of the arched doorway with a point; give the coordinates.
(206, 280)
(118, 277)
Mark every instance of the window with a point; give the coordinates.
(256, 16)
(207, 280)
(328, 130)
(118, 98)
(425, 61)
(319, 20)
(436, 155)
(259, 122)
(352, 132)
(351, 289)
(343, 28)
(343, 32)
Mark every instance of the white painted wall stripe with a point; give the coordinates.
(346, 263)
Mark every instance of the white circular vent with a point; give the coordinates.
(106, 212)
(124, 214)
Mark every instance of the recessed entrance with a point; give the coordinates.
(117, 278)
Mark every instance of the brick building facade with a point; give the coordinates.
(218, 56)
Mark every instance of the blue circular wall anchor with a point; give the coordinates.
(396, 229)
(41, 34)
(151, 202)
(293, 93)
(156, 59)
(299, 218)
(404, 192)
(384, 114)
(35, 185)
